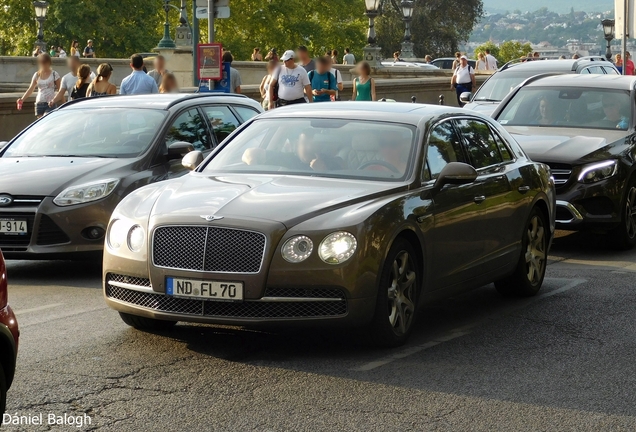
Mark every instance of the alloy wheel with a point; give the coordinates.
(401, 293)
(630, 213)
(536, 250)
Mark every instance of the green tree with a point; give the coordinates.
(494, 49)
(511, 50)
(438, 26)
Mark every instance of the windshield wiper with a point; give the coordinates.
(486, 100)
(70, 155)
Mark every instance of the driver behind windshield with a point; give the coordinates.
(612, 109)
(547, 112)
(306, 156)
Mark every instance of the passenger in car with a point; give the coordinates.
(547, 112)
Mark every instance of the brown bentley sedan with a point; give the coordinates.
(350, 213)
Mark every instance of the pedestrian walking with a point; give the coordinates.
(481, 63)
(101, 86)
(69, 80)
(75, 49)
(138, 82)
(46, 81)
(159, 70)
(491, 61)
(89, 50)
(629, 64)
(60, 52)
(364, 84)
(289, 83)
(264, 87)
(348, 58)
(169, 84)
(456, 62)
(305, 60)
(618, 62)
(235, 76)
(256, 55)
(463, 78)
(323, 82)
(272, 55)
(83, 82)
(334, 56)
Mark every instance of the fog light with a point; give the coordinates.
(93, 233)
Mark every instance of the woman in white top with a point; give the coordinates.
(264, 87)
(481, 64)
(47, 81)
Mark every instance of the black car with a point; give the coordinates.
(61, 178)
(513, 73)
(582, 127)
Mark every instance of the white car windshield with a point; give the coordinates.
(319, 147)
(593, 108)
(109, 132)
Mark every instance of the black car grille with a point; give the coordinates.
(210, 249)
(17, 243)
(49, 233)
(246, 309)
(24, 201)
(561, 174)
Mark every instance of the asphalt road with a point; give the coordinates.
(563, 360)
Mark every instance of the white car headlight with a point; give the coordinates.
(337, 247)
(136, 238)
(297, 249)
(117, 233)
(599, 171)
(86, 193)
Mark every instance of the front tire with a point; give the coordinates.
(624, 235)
(143, 323)
(396, 304)
(530, 271)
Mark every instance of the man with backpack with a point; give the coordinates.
(463, 78)
(323, 83)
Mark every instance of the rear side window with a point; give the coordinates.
(610, 70)
(222, 120)
(480, 143)
(443, 148)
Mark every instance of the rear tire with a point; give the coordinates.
(624, 235)
(396, 304)
(3, 391)
(528, 277)
(143, 323)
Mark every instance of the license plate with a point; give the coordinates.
(206, 290)
(13, 226)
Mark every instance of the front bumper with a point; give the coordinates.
(57, 232)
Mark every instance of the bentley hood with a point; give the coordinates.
(286, 199)
(570, 146)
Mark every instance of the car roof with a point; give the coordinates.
(564, 65)
(402, 112)
(611, 82)
(162, 101)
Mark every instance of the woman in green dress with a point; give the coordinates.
(364, 85)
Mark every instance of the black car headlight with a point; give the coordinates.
(598, 171)
(86, 193)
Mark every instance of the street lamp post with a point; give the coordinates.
(407, 13)
(608, 30)
(41, 8)
(166, 41)
(372, 50)
(184, 32)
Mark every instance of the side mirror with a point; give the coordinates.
(192, 160)
(179, 149)
(465, 97)
(3, 144)
(455, 173)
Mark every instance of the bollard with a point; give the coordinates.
(441, 99)
(413, 99)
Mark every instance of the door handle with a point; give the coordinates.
(523, 189)
(480, 199)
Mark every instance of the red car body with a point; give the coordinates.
(9, 335)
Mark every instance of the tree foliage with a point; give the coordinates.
(494, 49)
(438, 26)
(511, 50)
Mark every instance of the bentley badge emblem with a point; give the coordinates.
(208, 218)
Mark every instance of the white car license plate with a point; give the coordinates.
(206, 290)
(11, 226)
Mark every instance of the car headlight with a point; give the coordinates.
(598, 171)
(337, 247)
(297, 249)
(117, 233)
(136, 238)
(86, 193)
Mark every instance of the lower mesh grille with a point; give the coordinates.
(247, 309)
(49, 233)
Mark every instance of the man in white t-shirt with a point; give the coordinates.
(491, 61)
(289, 83)
(69, 80)
(463, 78)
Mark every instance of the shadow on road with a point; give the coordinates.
(81, 274)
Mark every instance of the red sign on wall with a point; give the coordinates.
(209, 59)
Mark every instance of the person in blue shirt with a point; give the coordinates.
(323, 83)
(138, 82)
